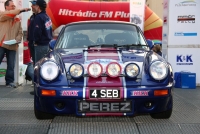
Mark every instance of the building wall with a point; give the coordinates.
(156, 6)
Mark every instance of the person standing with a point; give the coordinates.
(39, 30)
(30, 39)
(29, 74)
(10, 29)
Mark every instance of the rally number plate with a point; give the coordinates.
(104, 107)
(105, 93)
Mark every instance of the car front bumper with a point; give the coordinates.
(141, 100)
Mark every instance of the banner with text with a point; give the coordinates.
(183, 60)
(137, 8)
(184, 21)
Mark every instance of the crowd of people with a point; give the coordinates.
(38, 36)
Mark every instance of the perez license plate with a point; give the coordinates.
(105, 93)
(91, 107)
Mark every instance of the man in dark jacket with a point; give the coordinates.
(39, 30)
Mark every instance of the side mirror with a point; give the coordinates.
(52, 44)
(150, 43)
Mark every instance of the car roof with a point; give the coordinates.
(101, 21)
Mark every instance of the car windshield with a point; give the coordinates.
(98, 34)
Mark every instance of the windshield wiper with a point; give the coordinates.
(103, 45)
(127, 46)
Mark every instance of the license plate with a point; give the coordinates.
(105, 93)
(91, 107)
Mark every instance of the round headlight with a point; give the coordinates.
(95, 69)
(49, 70)
(76, 70)
(158, 70)
(132, 70)
(113, 69)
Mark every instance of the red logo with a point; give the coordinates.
(69, 93)
(140, 93)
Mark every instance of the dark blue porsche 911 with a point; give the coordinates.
(102, 68)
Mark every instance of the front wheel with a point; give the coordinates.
(163, 115)
(41, 115)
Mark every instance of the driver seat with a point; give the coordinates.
(80, 40)
(120, 38)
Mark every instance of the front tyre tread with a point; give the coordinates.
(163, 115)
(42, 116)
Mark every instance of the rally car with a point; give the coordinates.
(102, 68)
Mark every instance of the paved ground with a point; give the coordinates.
(17, 117)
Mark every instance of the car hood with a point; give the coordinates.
(91, 55)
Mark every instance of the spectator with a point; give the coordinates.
(39, 30)
(30, 41)
(29, 74)
(150, 44)
(10, 29)
(157, 49)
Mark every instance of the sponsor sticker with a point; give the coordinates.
(69, 93)
(185, 34)
(140, 93)
(186, 19)
(48, 24)
(104, 81)
(2, 72)
(184, 60)
(186, 3)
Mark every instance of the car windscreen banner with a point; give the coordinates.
(137, 8)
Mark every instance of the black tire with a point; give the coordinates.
(42, 115)
(163, 115)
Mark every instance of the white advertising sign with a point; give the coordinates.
(185, 59)
(165, 28)
(184, 21)
(137, 8)
(2, 5)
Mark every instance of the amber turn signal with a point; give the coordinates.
(160, 92)
(48, 92)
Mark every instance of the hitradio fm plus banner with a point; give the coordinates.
(137, 8)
